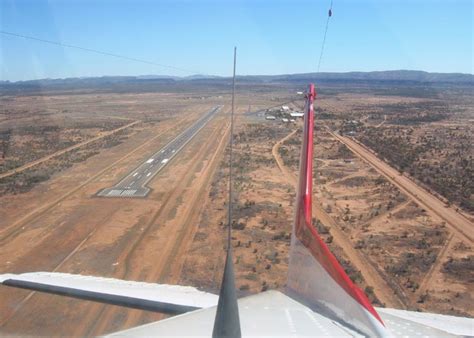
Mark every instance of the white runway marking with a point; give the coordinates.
(130, 185)
(128, 192)
(114, 192)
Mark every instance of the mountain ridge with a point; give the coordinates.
(387, 75)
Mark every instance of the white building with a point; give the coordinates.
(296, 114)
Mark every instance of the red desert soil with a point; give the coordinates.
(63, 151)
(458, 223)
(370, 274)
(80, 233)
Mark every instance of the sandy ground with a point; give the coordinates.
(383, 291)
(417, 219)
(176, 234)
(69, 230)
(68, 149)
(458, 223)
(363, 217)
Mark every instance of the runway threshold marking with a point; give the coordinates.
(134, 183)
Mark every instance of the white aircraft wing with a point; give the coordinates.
(164, 298)
(399, 319)
(274, 314)
(269, 314)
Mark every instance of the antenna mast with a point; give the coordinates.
(227, 321)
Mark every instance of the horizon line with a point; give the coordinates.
(240, 75)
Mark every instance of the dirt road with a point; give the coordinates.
(16, 226)
(435, 268)
(176, 236)
(457, 222)
(9, 234)
(66, 150)
(279, 160)
(381, 288)
(132, 239)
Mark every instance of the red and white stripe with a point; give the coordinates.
(314, 273)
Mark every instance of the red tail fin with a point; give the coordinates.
(314, 273)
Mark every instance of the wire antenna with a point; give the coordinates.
(324, 38)
(90, 50)
(227, 321)
(231, 146)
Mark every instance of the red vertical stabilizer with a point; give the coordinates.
(314, 274)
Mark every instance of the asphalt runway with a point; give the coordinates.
(134, 184)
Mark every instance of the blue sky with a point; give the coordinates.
(273, 37)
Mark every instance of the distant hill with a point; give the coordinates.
(389, 75)
(161, 82)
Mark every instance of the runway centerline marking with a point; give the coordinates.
(134, 183)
